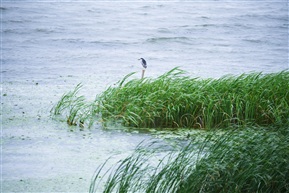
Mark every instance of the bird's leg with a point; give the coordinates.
(142, 75)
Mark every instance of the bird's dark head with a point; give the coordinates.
(141, 59)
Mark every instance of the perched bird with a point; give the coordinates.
(143, 62)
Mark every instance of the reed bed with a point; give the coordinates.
(174, 100)
(236, 161)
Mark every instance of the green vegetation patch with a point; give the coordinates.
(233, 161)
(174, 100)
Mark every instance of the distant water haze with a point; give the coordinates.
(207, 39)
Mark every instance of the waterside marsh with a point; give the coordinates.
(250, 155)
(174, 100)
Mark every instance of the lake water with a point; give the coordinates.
(48, 47)
(208, 39)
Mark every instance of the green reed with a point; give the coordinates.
(235, 161)
(76, 108)
(174, 100)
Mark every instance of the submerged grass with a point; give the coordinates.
(174, 100)
(236, 161)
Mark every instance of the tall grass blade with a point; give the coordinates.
(232, 161)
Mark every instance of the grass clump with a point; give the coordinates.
(174, 100)
(76, 108)
(235, 161)
(177, 101)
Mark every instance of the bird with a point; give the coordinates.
(143, 62)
